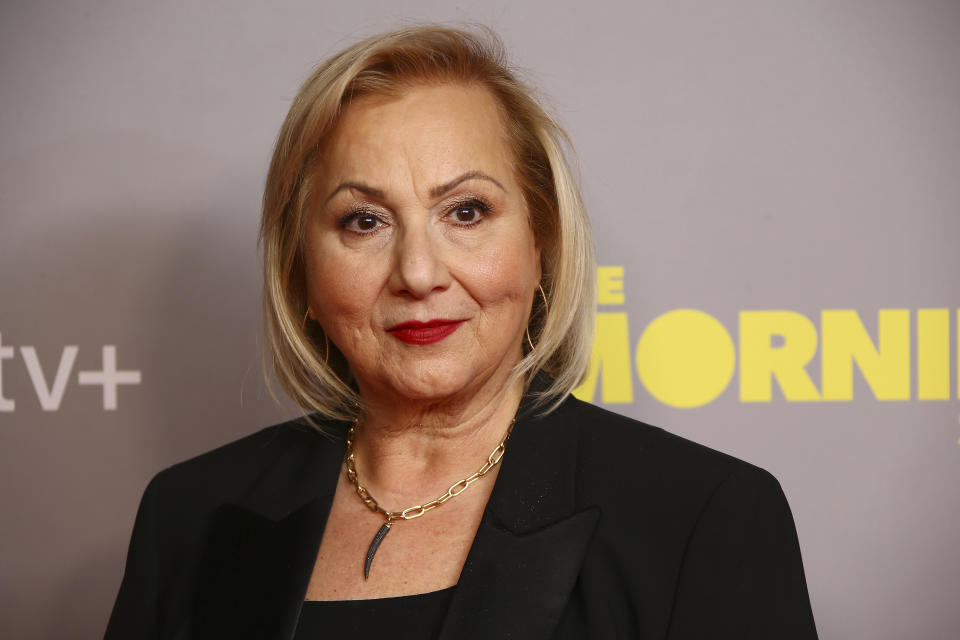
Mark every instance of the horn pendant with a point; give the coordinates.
(372, 551)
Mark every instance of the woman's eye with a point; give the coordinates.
(469, 213)
(361, 222)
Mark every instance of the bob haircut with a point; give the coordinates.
(310, 369)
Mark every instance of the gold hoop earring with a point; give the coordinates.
(546, 310)
(326, 350)
(326, 340)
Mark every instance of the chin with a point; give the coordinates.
(427, 388)
(434, 383)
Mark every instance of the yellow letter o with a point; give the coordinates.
(685, 358)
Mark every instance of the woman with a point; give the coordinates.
(428, 296)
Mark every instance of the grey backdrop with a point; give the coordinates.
(799, 156)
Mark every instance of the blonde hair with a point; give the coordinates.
(313, 372)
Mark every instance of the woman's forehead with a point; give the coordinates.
(433, 131)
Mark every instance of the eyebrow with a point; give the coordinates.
(435, 192)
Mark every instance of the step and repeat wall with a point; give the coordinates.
(774, 191)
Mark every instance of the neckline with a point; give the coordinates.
(412, 596)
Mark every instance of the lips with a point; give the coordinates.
(416, 332)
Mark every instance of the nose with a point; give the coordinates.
(418, 268)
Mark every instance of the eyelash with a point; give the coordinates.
(473, 202)
(356, 214)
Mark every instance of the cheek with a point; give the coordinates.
(507, 275)
(337, 288)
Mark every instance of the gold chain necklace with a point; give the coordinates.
(418, 510)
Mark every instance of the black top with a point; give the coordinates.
(416, 617)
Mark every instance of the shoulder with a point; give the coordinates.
(179, 508)
(703, 539)
(624, 439)
(649, 466)
(226, 473)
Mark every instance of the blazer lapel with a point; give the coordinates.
(525, 559)
(517, 579)
(260, 553)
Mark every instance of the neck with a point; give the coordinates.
(405, 455)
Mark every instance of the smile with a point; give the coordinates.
(414, 332)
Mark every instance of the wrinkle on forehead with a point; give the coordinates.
(425, 137)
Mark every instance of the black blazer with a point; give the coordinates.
(598, 527)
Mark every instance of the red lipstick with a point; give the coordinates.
(415, 332)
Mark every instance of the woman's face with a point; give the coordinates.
(421, 263)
